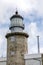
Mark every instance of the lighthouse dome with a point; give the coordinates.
(16, 23)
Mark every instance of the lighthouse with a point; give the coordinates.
(16, 41)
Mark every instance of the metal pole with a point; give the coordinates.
(38, 44)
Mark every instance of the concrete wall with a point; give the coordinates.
(32, 62)
(33, 59)
(3, 61)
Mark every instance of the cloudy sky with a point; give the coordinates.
(32, 11)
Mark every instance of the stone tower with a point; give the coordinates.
(16, 41)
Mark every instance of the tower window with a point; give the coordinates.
(12, 39)
(12, 53)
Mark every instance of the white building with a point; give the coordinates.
(33, 59)
(30, 59)
(3, 61)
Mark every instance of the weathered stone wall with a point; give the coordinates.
(16, 50)
(42, 59)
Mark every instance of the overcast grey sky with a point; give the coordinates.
(32, 11)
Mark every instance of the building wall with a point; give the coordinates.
(3, 61)
(33, 59)
(32, 62)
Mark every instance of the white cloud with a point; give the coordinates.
(11, 5)
(8, 7)
(32, 40)
(33, 29)
(41, 49)
(40, 7)
(3, 41)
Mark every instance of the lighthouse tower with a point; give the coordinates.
(16, 41)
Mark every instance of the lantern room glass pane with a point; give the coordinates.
(16, 22)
